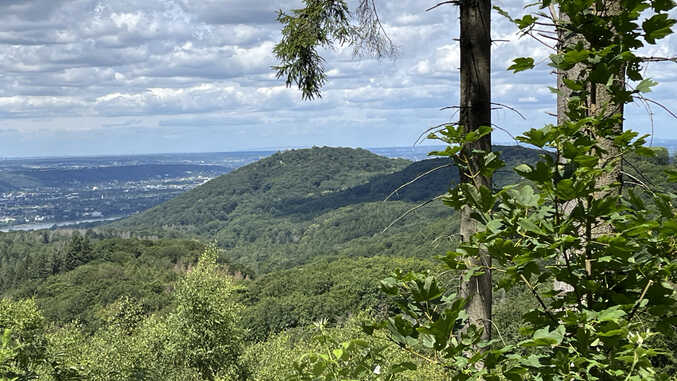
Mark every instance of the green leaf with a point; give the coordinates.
(573, 57)
(662, 5)
(525, 196)
(494, 226)
(525, 22)
(611, 314)
(522, 64)
(502, 12)
(492, 162)
(645, 86)
(537, 137)
(565, 190)
(586, 160)
(523, 169)
(546, 338)
(529, 226)
(573, 85)
(657, 27)
(441, 330)
(531, 361)
(450, 151)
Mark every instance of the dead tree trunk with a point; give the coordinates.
(476, 112)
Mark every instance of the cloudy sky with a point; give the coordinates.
(82, 77)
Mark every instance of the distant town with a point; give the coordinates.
(38, 193)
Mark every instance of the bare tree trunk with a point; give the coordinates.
(476, 112)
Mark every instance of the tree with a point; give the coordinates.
(205, 327)
(475, 113)
(23, 343)
(201, 338)
(77, 252)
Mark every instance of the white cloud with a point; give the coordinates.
(208, 63)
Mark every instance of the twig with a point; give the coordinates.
(648, 180)
(518, 143)
(452, 107)
(420, 137)
(454, 2)
(634, 309)
(672, 114)
(649, 111)
(511, 109)
(549, 37)
(542, 42)
(533, 291)
(553, 14)
(658, 59)
(419, 206)
(416, 179)
(638, 182)
(498, 331)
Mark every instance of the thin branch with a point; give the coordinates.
(452, 107)
(650, 112)
(496, 126)
(420, 137)
(511, 109)
(416, 179)
(539, 40)
(658, 59)
(419, 206)
(639, 173)
(549, 37)
(553, 13)
(544, 31)
(634, 309)
(545, 24)
(454, 2)
(638, 182)
(499, 332)
(540, 301)
(373, 38)
(672, 114)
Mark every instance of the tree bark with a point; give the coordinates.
(476, 112)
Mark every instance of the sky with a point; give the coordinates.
(88, 77)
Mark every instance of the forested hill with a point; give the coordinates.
(306, 181)
(285, 175)
(296, 205)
